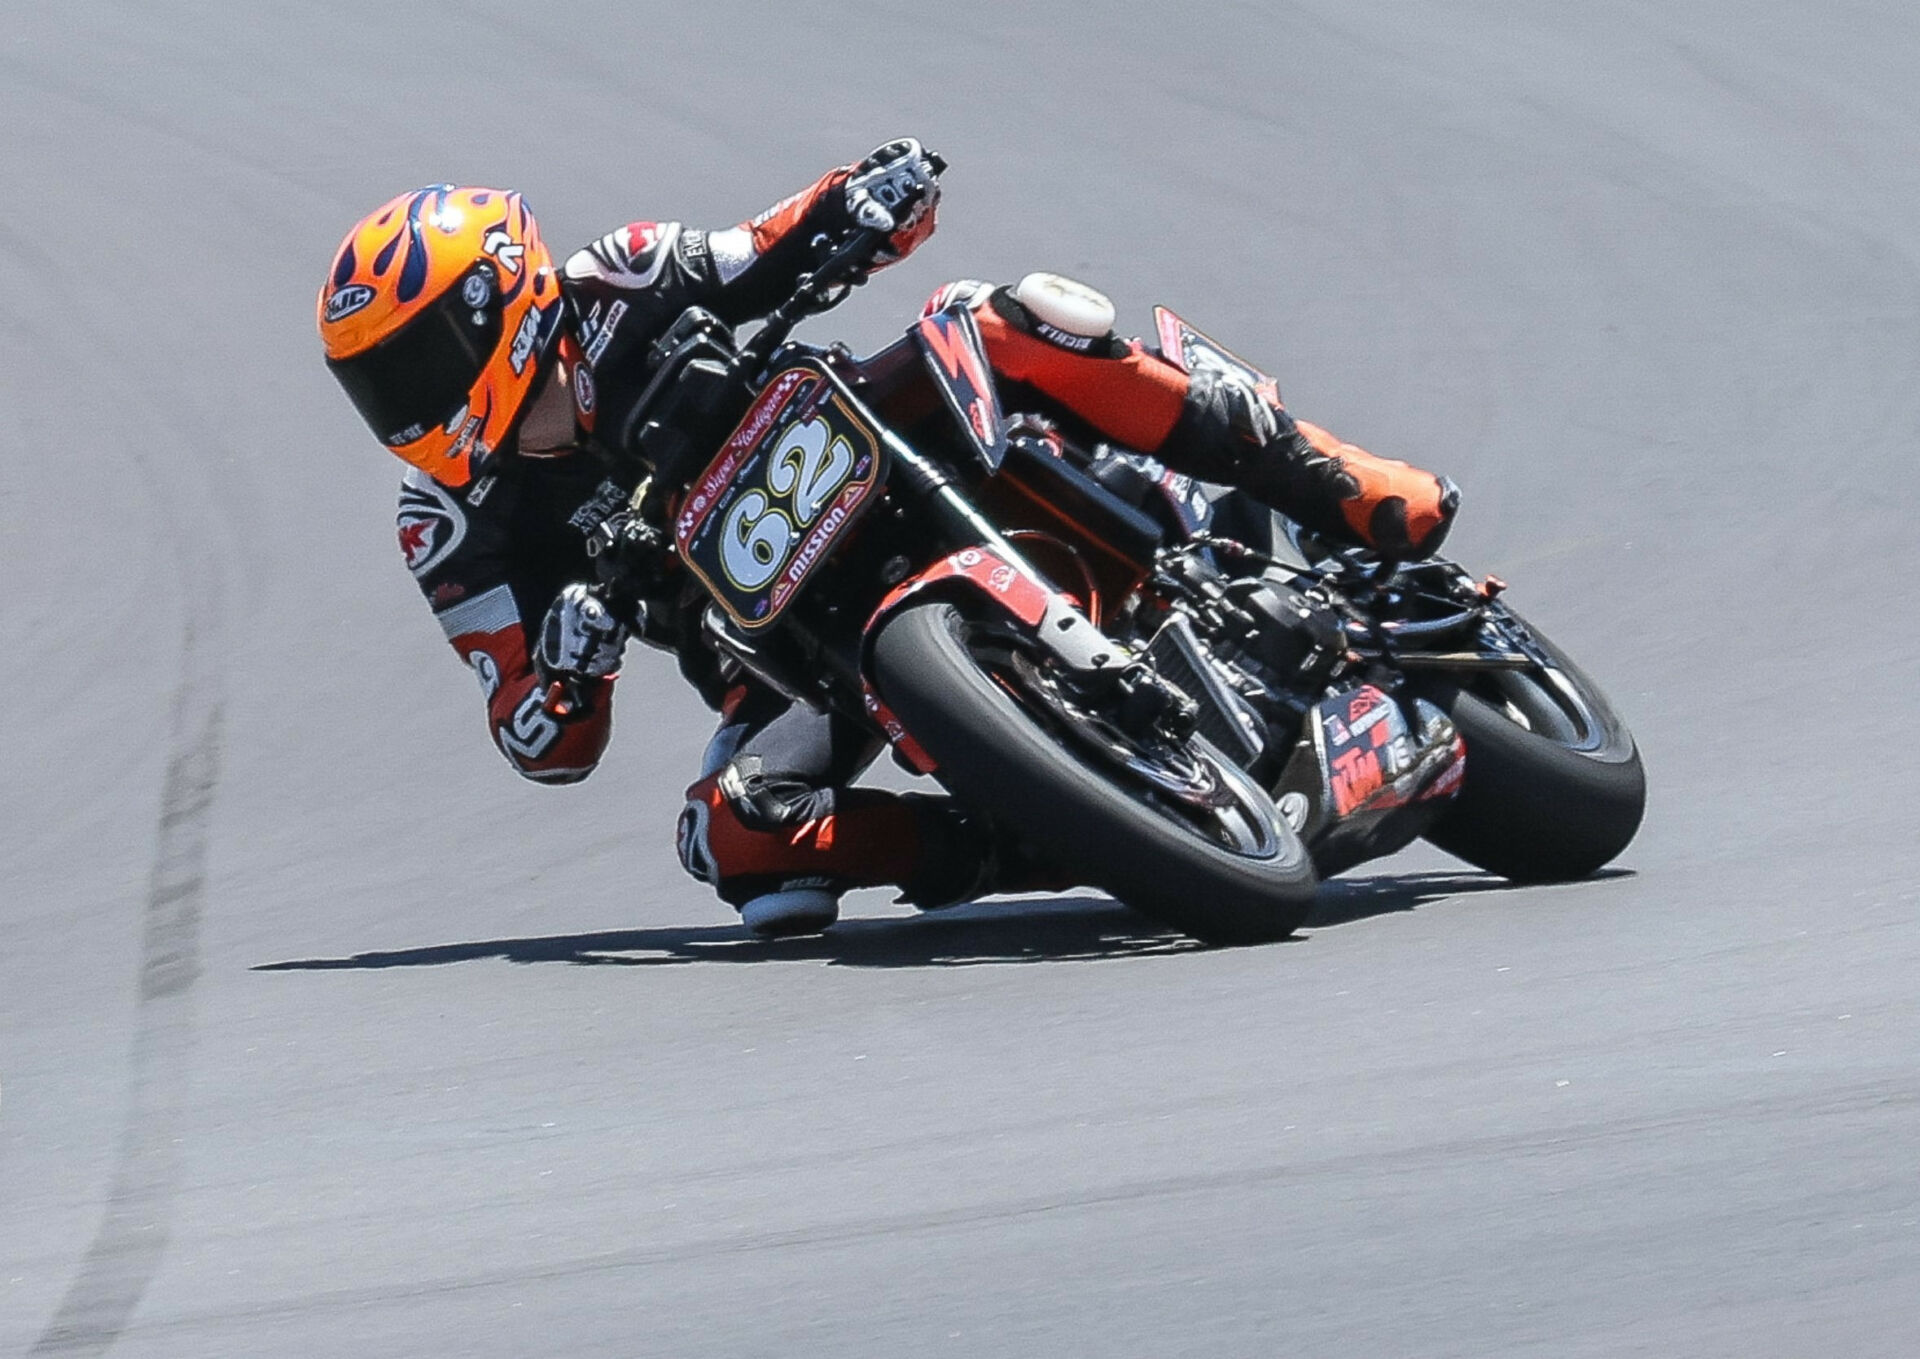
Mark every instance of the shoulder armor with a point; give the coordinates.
(631, 257)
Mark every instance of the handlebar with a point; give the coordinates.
(813, 293)
(844, 266)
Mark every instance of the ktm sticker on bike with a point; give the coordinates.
(793, 476)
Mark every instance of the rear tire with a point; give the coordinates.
(995, 755)
(1550, 801)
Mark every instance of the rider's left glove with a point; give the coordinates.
(896, 189)
(580, 637)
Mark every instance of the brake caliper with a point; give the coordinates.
(1149, 705)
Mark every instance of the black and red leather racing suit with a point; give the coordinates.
(771, 807)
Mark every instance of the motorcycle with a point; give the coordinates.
(1072, 641)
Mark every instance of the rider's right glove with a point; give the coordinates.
(580, 638)
(896, 189)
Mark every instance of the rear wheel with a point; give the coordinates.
(1178, 833)
(1554, 787)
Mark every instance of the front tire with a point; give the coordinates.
(997, 754)
(1554, 787)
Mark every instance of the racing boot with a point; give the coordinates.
(1228, 432)
(965, 858)
(782, 852)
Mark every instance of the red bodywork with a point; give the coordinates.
(975, 572)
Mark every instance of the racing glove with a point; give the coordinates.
(580, 638)
(896, 189)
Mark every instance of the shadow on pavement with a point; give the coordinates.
(1028, 931)
(1344, 900)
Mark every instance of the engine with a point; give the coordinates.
(1291, 641)
(1252, 651)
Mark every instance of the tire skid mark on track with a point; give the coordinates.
(127, 1249)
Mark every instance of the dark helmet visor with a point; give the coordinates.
(420, 375)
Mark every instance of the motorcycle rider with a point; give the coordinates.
(496, 376)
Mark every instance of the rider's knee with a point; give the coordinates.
(742, 822)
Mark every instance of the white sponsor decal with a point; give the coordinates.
(344, 302)
(503, 248)
(603, 334)
(524, 339)
(1371, 718)
(1077, 343)
(607, 497)
(464, 437)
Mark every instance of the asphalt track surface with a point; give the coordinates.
(320, 1033)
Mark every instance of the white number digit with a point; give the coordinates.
(800, 447)
(827, 479)
(754, 540)
(532, 731)
(809, 467)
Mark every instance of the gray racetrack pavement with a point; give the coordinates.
(322, 1034)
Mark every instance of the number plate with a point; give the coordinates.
(790, 479)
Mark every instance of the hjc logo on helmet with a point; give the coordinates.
(344, 302)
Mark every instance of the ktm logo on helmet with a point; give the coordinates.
(525, 339)
(344, 302)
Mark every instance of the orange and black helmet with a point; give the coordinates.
(437, 318)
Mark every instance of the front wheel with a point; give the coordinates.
(1190, 840)
(1554, 787)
